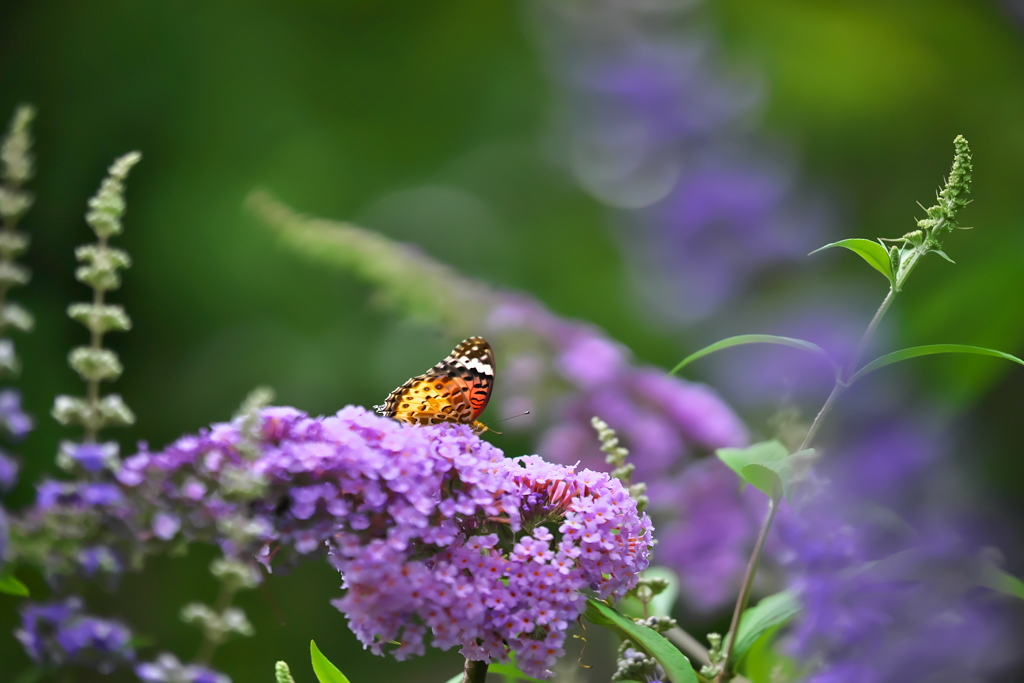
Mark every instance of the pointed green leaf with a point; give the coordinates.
(322, 667)
(943, 255)
(11, 586)
(768, 467)
(927, 350)
(770, 612)
(874, 253)
(675, 664)
(763, 663)
(998, 580)
(756, 339)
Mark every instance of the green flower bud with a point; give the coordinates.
(13, 274)
(12, 244)
(282, 674)
(234, 574)
(16, 149)
(17, 317)
(9, 364)
(103, 262)
(100, 319)
(14, 202)
(107, 206)
(114, 411)
(69, 410)
(95, 365)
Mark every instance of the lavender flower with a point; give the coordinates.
(60, 634)
(518, 539)
(8, 472)
(889, 595)
(432, 528)
(167, 669)
(13, 419)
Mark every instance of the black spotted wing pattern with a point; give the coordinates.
(455, 390)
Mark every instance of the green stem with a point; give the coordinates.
(92, 387)
(474, 672)
(748, 581)
(688, 644)
(906, 266)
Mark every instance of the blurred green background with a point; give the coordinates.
(431, 122)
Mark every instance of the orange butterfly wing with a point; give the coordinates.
(455, 390)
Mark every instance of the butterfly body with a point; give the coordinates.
(455, 390)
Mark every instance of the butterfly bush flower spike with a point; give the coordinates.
(17, 166)
(439, 538)
(941, 217)
(60, 633)
(93, 363)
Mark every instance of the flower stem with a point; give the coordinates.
(688, 644)
(907, 265)
(474, 672)
(748, 581)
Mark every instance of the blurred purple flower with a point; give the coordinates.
(60, 633)
(657, 129)
(91, 457)
(8, 472)
(166, 668)
(17, 422)
(888, 582)
(707, 542)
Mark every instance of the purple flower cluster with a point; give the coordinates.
(60, 634)
(888, 581)
(520, 538)
(17, 424)
(668, 424)
(432, 528)
(167, 669)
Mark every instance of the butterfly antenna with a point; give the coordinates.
(511, 417)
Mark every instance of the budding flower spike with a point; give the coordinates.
(455, 390)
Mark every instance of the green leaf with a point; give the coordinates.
(322, 667)
(756, 339)
(998, 580)
(928, 350)
(768, 467)
(511, 672)
(874, 253)
(11, 586)
(677, 667)
(762, 664)
(770, 612)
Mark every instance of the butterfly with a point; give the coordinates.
(455, 390)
